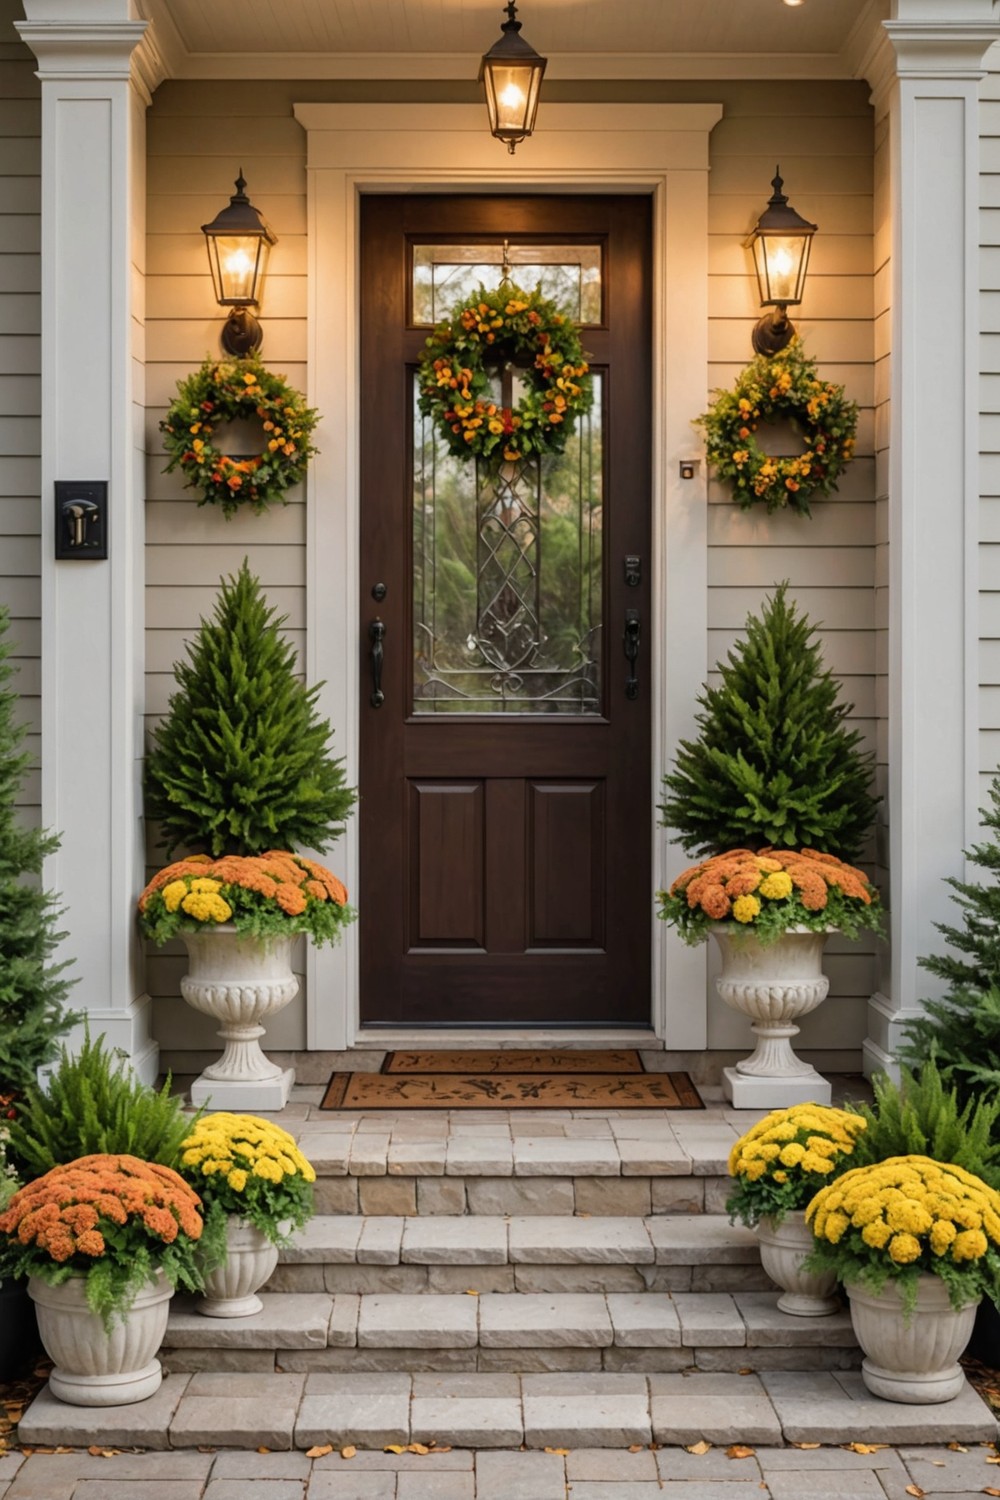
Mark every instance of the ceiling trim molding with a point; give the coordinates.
(459, 65)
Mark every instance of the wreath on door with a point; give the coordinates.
(773, 388)
(238, 390)
(491, 329)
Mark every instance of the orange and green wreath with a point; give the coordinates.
(775, 388)
(238, 390)
(494, 328)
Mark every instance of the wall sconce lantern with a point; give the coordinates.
(511, 74)
(780, 244)
(239, 243)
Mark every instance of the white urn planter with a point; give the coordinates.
(94, 1365)
(241, 981)
(231, 1289)
(774, 984)
(916, 1361)
(783, 1248)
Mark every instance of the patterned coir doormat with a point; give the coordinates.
(504, 1079)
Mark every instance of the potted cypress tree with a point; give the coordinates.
(774, 794)
(33, 989)
(240, 773)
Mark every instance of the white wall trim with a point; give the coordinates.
(660, 149)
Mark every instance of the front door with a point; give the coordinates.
(505, 784)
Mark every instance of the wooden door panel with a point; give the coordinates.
(566, 839)
(506, 870)
(447, 857)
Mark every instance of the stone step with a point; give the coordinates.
(530, 1253)
(553, 1163)
(516, 1332)
(289, 1411)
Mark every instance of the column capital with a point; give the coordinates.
(97, 50)
(942, 49)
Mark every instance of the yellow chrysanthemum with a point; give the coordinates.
(777, 886)
(745, 908)
(876, 1234)
(173, 894)
(904, 1249)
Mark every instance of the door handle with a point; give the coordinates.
(631, 645)
(376, 635)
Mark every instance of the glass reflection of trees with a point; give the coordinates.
(508, 588)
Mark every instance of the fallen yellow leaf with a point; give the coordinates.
(263, 1450)
(635, 1448)
(393, 1448)
(416, 1448)
(699, 1448)
(914, 1489)
(989, 1491)
(561, 1451)
(866, 1447)
(349, 1451)
(470, 1291)
(320, 1450)
(740, 1450)
(807, 1445)
(957, 1448)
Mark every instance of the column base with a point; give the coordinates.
(745, 1092)
(270, 1094)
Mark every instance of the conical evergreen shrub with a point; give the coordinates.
(241, 762)
(774, 763)
(963, 1025)
(32, 989)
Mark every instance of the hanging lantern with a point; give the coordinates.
(511, 75)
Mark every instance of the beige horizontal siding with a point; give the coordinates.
(20, 387)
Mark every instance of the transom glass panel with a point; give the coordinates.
(508, 575)
(444, 275)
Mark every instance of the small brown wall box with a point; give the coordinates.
(81, 518)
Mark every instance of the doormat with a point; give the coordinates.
(511, 1080)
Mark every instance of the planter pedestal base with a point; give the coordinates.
(244, 1096)
(747, 1092)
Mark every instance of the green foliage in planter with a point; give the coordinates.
(922, 1116)
(93, 1104)
(963, 1025)
(240, 764)
(774, 763)
(32, 989)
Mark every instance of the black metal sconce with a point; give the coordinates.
(239, 243)
(511, 75)
(780, 244)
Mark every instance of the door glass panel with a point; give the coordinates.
(445, 275)
(508, 576)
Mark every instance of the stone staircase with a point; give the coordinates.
(557, 1280)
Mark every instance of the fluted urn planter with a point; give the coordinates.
(783, 1248)
(915, 1361)
(241, 981)
(231, 1289)
(774, 984)
(94, 1365)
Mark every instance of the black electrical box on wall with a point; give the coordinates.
(82, 518)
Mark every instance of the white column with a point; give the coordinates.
(94, 99)
(935, 64)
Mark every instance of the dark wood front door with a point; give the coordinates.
(506, 799)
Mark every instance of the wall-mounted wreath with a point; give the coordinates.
(222, 392)
(771, 389)
(494, 328)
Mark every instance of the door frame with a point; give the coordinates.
(661, 149)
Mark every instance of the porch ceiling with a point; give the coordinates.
(581, 38)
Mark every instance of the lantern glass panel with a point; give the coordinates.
(780, 261)
(238, 266)
(512, 98)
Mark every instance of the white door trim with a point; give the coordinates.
(657, 148)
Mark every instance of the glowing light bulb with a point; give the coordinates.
(512, 97)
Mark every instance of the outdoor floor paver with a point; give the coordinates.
(534, 1320)
(946, 1471)
(352, 1485)
(592, 1464)
(677, 1464)
(287, 1320)
(45, 1477)
(263, 1489)
(143, 1489)
(233, 1465)
(142, 1424)
(488, 1422)
(409, 1321)
(611, 1489)
(716, 1489)
(437, 1485)
(520, 1476)
(824, 1484)
(235, 1410)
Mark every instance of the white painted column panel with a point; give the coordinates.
(93, 153)
(933, 487)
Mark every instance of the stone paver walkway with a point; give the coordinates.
(640, 1473)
